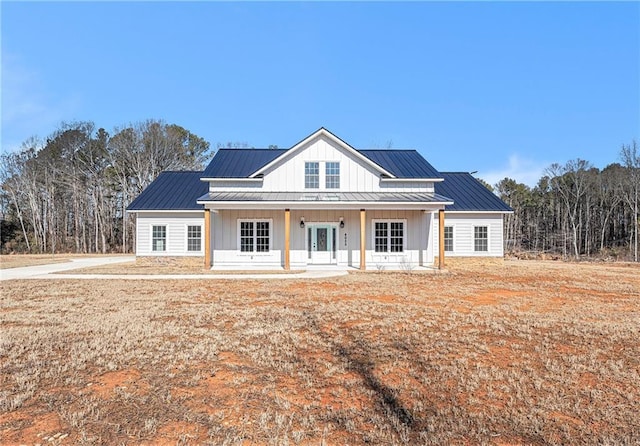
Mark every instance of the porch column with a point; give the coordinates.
(287, 239)
(207, 239)
(363, 239)
(441, 239)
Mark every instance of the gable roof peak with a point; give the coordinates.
(323, 132)
(250, 163)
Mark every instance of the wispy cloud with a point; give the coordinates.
(28, 109)
(523, 170)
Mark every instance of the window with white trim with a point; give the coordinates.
(255, 235)
(480, 238)
(388, 236)
(448, 238)
(262, 236)
(159, 238)
(332, 175)
(194, 238)
(381, 241)
(311, 175)
(397, 236)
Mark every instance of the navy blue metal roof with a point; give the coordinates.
(402, 163)
(468, 194)
(239, 163)
(181, 190)
(172, 191)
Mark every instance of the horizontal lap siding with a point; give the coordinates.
(176, 224)
(463, 234)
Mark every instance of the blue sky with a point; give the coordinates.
(502, 88)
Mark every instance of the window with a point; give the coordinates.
(312, 175)
(194, 238)
(480, 238)
(262, 236)
(255, 236)
(381, 237)
(448, 238)
(388, 236)
(246, 236)
(332, 171)
(159, 238)
(397, 236)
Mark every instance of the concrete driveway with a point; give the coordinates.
(47, 272)
(44, 271)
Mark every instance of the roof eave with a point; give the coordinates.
(468, 211)
(244, 179)
(417, 180)
(133, 211)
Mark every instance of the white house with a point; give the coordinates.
(321, 202)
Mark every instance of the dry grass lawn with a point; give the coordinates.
(529, 353)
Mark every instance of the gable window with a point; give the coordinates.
(255, 235)
(194, 238)
(448, 238)
(332, 175)
(388, 236)
(480, 238)
(159, 238)
(311, 175)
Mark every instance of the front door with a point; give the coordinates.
(321, 243)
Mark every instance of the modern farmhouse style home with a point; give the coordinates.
(321, 202)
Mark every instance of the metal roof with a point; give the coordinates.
(239, 163)
(326, 197)
(172, 191)
(181, 190)
(402, 163)
(469, 194)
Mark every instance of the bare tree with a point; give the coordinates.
(71, 193)
(571, 182)
(631, 160)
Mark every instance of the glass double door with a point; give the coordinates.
(322, 242)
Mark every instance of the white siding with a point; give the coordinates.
(176, 224)
(355, 175)
(226, 252)
(463, 234)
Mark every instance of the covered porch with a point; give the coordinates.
(331, 236)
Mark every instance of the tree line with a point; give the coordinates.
(70, 192)
(576, 209)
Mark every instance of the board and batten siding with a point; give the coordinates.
(226, 251)
(176, 224)
(463, 233)
(355, 175)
